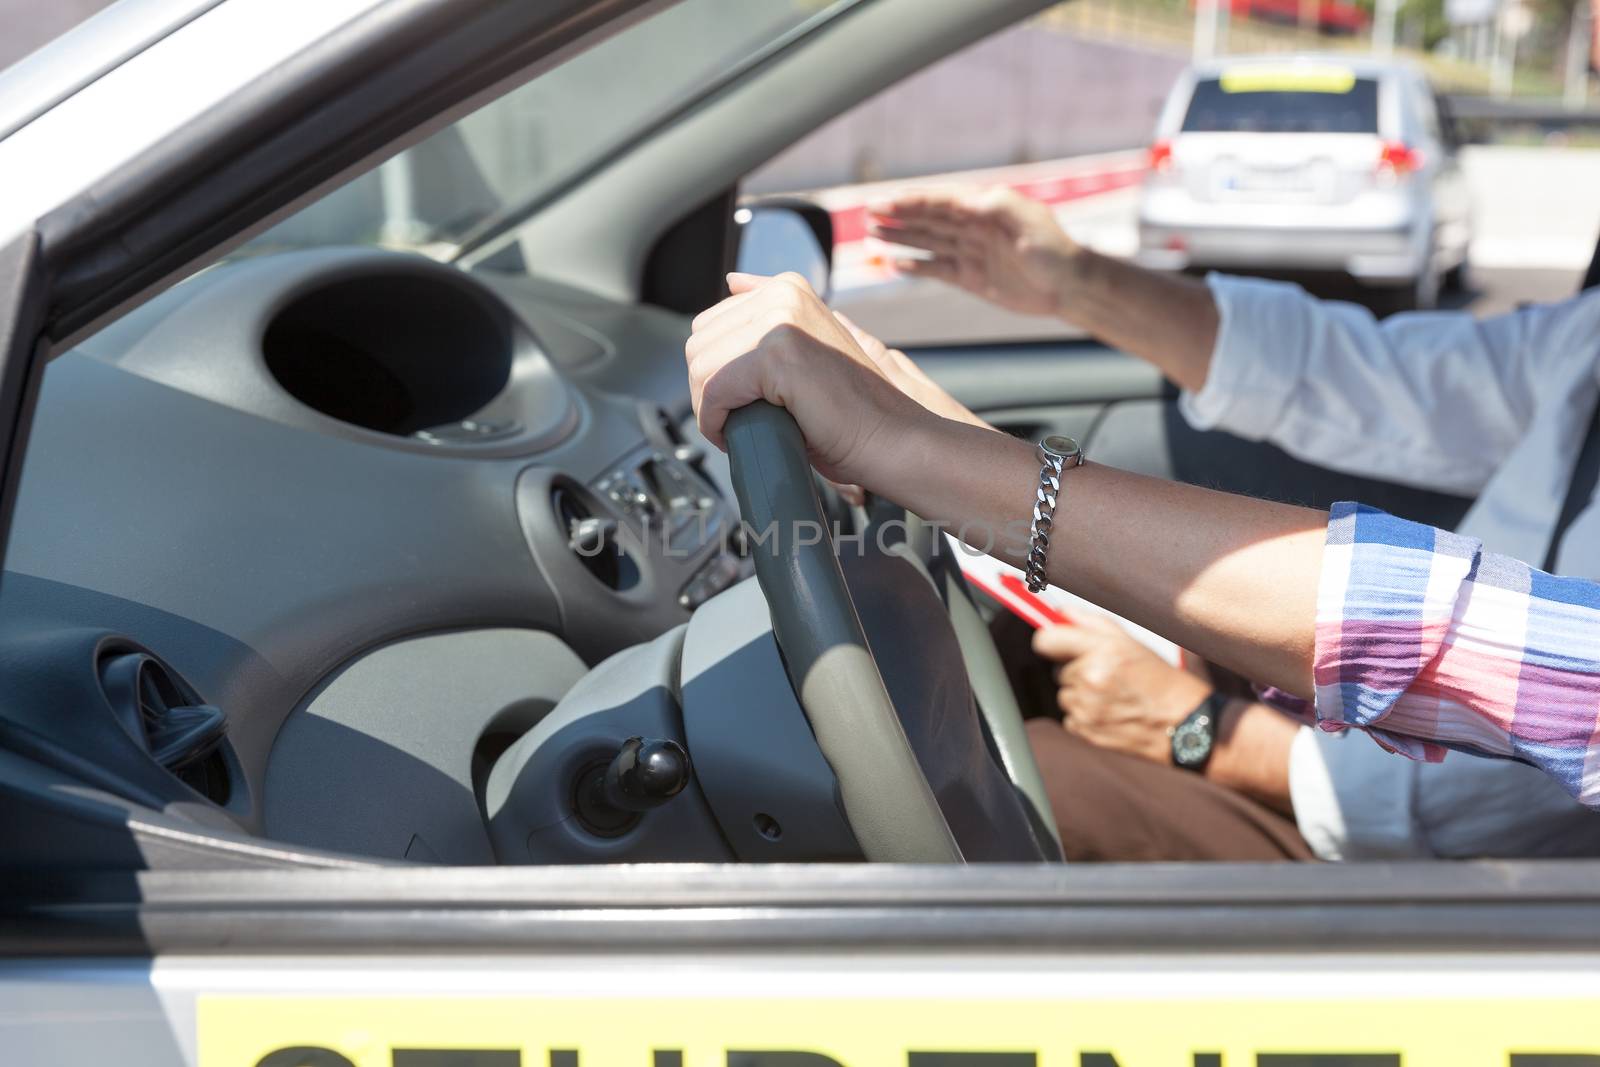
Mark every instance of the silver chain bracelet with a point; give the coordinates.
(1056, 454)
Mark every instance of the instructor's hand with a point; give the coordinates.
(775, 340)
(993, 242)
(1115, 692)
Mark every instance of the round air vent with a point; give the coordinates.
(169, 720)
(398, 353)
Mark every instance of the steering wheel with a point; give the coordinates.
(886, 796)
(926, 546)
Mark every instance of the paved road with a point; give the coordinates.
(924, 313)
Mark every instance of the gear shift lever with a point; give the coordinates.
(644, 774)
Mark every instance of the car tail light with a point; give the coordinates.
(1161, 156)
(1399, 159)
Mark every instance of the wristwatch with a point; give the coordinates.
(1195, 738)
(1056, 454)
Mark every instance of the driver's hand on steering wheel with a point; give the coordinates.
(909, 378)
(900, 372)
(774, 339)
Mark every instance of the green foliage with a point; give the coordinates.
(1429, 16)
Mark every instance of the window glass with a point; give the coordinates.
(1216, 108)
(1039, 106)
(515, 150)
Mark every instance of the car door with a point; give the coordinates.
(1469, 966)
(138, 936)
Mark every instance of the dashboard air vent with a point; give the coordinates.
(667, 430)
(168, 718)
(592, 539)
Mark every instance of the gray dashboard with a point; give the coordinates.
(194, 489)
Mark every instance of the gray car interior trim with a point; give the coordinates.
(595, 616)
(990, 377)
(57, 828)
(69, 718)
(380, 760)
(258, 546)
(1548, 906)
(23, 293)
(755, 756)
(529, 797)
(421, 327)
(892, 812)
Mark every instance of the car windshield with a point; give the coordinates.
(1252, 105)
(518, 149)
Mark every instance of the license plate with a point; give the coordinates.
(1284, 181)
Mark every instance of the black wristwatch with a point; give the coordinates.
(1195, 738)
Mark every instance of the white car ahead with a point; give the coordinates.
(1308, 163)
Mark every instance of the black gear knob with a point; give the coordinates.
(646, 773)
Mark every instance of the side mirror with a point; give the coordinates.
(787, 234)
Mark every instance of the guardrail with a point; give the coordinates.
(1476, 114)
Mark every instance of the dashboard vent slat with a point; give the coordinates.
(168, 719)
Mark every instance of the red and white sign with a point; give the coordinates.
(1051, 607)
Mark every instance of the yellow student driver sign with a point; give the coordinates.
(1290, 78)
(288, 1031)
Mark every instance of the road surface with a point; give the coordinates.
(931, 314)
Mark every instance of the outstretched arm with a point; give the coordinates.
(1009, 249)
(1434, 401)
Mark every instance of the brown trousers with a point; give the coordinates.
(1118, 808)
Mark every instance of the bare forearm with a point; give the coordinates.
(1167, 319)
(1233, 579)
(1252, 754)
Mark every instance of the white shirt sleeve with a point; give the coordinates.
(1352, 800)
(1429, 399)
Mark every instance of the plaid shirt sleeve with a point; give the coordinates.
(1429, 643)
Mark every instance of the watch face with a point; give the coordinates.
(1191, 743)
(1061, 446)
